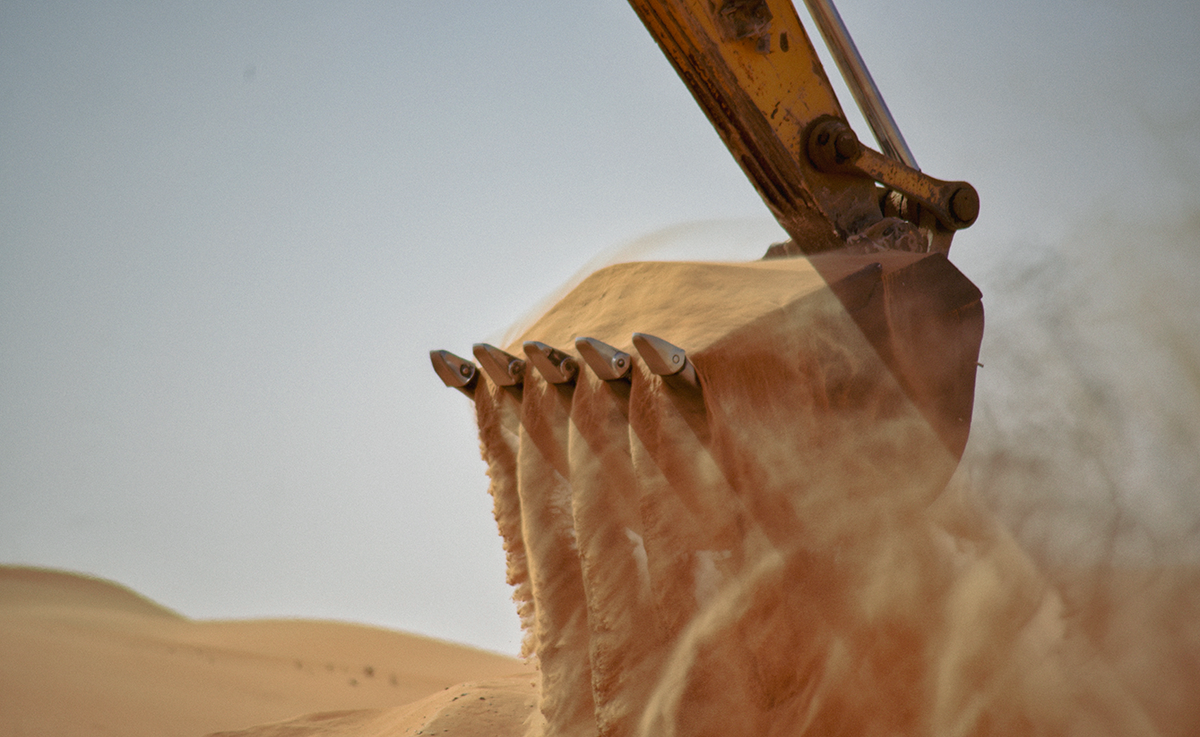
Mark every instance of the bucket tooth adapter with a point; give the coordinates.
(504, 369)
(687, 531)
(664, 359)
(604, 360)
(454, 371)
(555, 366)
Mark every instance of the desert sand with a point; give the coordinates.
(83, 656)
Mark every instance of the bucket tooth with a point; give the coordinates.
(605, 360)
(455, 372)
(504, 369)
(557, 367)
(660, 356)
(665, 359)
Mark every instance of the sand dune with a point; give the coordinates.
(492, 708)
(81, 656)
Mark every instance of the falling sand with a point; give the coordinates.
(789, 546)
(782, 550)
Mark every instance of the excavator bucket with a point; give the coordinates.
(673, 426)
(672, 436)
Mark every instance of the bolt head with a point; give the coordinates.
(964, 204)
(846, 145)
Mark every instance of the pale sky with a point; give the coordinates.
(231, 232)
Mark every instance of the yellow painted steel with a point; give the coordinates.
(752, 68)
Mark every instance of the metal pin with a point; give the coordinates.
(455, 372)
(665, 359)
(504, 369)
(605, 360)
(557, 367)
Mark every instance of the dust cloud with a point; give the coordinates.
(791, 548)
(1085, 438)
(1088, 415)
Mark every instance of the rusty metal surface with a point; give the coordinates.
(752, 68)
(832, 146)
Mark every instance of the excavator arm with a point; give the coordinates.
(753, 70)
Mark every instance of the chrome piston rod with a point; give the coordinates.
(858, 79)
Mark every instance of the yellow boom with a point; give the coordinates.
(751, 67)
